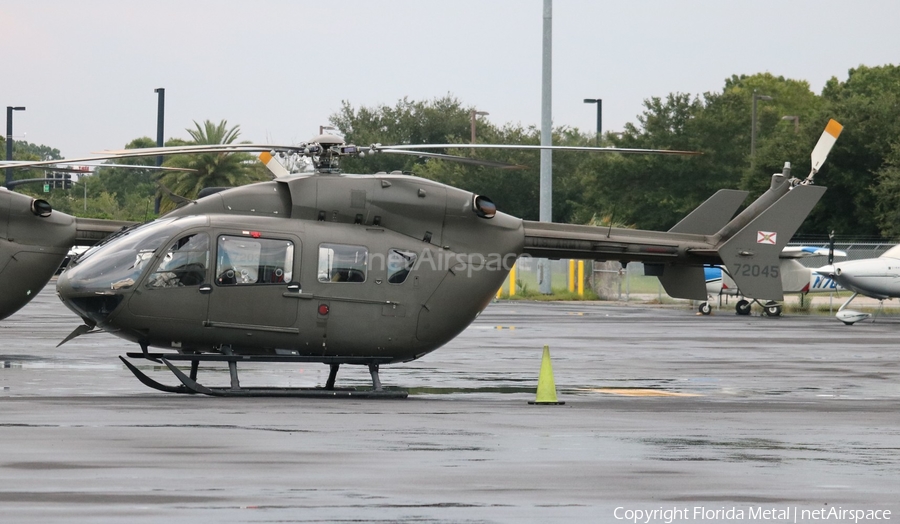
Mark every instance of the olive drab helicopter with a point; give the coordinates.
(348, 269)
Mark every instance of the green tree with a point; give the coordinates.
(887, 212)
(209, 169)
(447, 120)
(867, 103)
(655, 191)
(439, 121)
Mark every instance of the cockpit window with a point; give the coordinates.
(342, 263)
(184, 264)
(151, 233)
(242, 260)
(119, 263)
(399, 264)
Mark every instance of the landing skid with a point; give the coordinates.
(189, 384)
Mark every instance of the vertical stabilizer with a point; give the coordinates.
(751, 256)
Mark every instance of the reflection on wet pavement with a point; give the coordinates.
(662, 407)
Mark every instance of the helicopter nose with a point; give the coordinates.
(94, 307)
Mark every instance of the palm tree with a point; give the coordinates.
(212, 169)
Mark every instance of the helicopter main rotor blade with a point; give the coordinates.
(155, 151)
(63, 169)
(202, 148)
(380, 148)
(455, 158)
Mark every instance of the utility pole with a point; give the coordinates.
(546, 200)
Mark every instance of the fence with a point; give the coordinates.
(611, 281)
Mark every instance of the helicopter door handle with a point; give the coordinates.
(206, 289)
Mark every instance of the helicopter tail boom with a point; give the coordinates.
(749, 245)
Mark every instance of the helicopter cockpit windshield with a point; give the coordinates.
(119, 263)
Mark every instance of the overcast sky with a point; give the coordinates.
(86, 70)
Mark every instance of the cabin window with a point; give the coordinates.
(183, 264)
(399, 264)
(342, 263)
(243, 260)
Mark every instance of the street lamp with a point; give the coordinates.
(599, 103)
(9, 141)
(753, 123)
(160, 141)
(472, 115)
(796, 120)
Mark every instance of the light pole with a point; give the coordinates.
(796, 120)
(473, 114)
(9, 140)
(599, 103)
(753, 123)
(546, 198)
(160, 141)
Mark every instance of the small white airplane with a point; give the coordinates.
(795, 278)
(873, 277)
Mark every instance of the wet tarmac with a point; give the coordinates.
(665, 410)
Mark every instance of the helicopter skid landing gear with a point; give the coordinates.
(189, 384)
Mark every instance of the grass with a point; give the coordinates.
(527, 285)
(558, 294)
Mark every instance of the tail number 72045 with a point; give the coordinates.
(756, 270)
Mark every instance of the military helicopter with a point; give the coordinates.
(348, 269)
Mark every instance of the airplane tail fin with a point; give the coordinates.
(751, 255)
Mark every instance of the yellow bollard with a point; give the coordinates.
(546, 389)
(581, 278)
(512, 281)
(571, 275)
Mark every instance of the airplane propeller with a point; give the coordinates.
(831, 248)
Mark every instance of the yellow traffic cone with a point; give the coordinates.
(546, 390)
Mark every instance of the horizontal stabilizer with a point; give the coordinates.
(751, 256)
(683, 281)
(713, 214)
